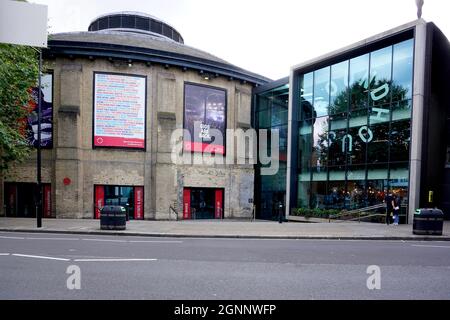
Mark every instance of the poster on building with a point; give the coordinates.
(31, 122)
(119, 110)
(138, 203)
(204, 118)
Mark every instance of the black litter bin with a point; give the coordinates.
(113, 218)
(428, 221)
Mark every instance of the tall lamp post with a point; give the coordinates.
(25, 24)
(39, 153)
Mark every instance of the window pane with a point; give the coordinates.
(321, 91)
(360, 135)
(304, 147)
(303, 194)
(320, 144)
(380, 76)
(402, 70)
(359, 83)
(399, 140)
(336, 194)
(306, 96)
(339, 141)
(339, 88)
(379, 145)
(319, 193)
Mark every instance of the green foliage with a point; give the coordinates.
(316, 213)
(19, 72)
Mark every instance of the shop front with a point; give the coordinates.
(202, 203)
(20, 200)
(129, 197)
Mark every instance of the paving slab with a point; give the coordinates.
(227, 229)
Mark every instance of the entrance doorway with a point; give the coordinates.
(20, 200)
(202, 203)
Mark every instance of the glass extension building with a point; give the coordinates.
(366, 120)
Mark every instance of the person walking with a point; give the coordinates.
(396, 209)
(389, 200)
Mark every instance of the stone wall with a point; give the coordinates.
(74, 157)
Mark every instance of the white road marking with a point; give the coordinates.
(4, 254)
(111, 260)
(39, 257)
(104, 240)
(154, 241)
(3, 237)
(429, 246)
(69, 239)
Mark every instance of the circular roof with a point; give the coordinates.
(136, 22)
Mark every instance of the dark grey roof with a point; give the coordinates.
(145, 47)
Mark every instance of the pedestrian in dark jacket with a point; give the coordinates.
(389, 200)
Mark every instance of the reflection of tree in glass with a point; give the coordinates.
(359, 94)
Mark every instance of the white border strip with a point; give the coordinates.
(111, 260)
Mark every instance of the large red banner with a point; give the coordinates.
(139, 203)
(47, 201)
(187, 203)
(219, 204)
(99, 200)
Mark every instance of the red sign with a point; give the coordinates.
(99, 200)
(187, 203)
(12, 196)
(139, 203)
(219, 204)
(47, 201)
(203, 147)
(67, 181)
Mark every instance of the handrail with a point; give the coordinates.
(362, 210)
(377, 206)
(175, 211)
(356, 211)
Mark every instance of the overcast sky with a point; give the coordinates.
(266, 37)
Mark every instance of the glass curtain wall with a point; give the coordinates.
(354, 120)
(271, 114)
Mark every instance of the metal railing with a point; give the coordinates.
(357, 212)
(172, 209)
(362, 213)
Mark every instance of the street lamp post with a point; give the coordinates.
(39, 162)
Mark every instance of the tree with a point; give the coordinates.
(18, 74)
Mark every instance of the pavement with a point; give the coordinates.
(258, 229)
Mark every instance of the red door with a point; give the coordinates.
(99, 200)
(186, 203)
(219, 204)
(11, 200)
(47, 201)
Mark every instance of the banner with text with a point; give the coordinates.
(119, 111)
